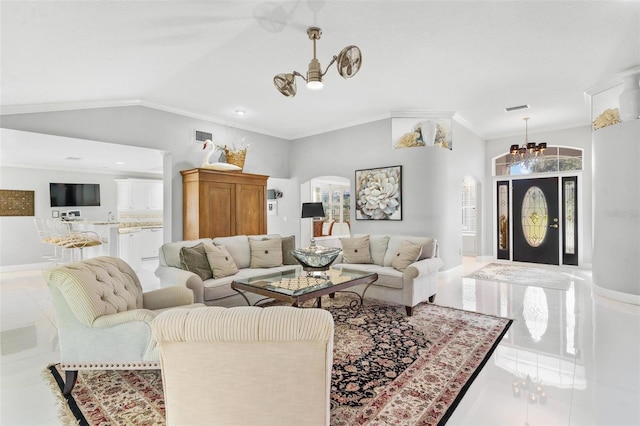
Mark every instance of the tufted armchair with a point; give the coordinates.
(103, 317)
(246, 365)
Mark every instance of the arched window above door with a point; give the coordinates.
(555, 159)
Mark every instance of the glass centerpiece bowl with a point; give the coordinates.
(316, 258)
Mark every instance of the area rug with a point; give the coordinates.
(388, 369)
(522, 275)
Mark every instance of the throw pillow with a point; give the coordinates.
(406, 255)
(220, 261)
(288, 244)
(266, 253)
(194, 259)
(356, 250)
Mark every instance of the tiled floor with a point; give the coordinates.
(584, 350)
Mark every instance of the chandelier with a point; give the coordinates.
(529, 150)
(348, 62)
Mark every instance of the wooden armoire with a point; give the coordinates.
(220, 204)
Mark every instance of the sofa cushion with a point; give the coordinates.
(288, 244)
(428, 247)
(220, 261)
(194, 259)
(266, 253)
(356, 250)
(406, 255)
(238, 247)
(387, 277)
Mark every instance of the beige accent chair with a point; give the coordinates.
(246, 365)
(103, 317)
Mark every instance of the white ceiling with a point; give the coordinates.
(209, 58)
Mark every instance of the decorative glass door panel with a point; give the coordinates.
(570, 220)
(534, 216)
(536, 225)
(503, 220)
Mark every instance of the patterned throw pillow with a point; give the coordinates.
(406, 255)
(194, 259)
(356, 250)
(220, 261)
(266, 253)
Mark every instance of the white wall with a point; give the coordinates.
(20, 242)
(432, 178)
(150, 128)
(286, 222)
(577, 137)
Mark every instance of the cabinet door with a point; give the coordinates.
(151, 242)
(140, 196)
(125, 196)
(155, 195)
(250, 210)
(217, 209)
(130, 250)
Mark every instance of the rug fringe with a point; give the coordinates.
(64, 412)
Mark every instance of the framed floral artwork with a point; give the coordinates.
(379, 193)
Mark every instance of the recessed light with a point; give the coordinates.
(120, 163)
(74, 158)
(240, 112)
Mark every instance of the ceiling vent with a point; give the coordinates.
(203, 136)
(516, 108)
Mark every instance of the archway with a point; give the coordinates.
(334, 192)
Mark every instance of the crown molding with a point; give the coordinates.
(82, 105)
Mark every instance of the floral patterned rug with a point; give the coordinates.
(388, 369)
(523, 275)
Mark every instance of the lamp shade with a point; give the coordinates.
(312, 210)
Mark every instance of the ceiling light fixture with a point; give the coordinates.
(240, 112)
(529, 150)
(348, 62)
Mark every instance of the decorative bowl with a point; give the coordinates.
(316, 258)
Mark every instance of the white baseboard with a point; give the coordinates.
(25, 267)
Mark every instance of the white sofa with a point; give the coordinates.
(416, 284)
(218, 292)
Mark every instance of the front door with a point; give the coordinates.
(535, 221)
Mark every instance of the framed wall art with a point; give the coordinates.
(422, 130)
(16, 203)
(379, 193)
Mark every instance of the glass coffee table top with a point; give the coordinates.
(295, 282)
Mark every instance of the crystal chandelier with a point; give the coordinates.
(529, 150)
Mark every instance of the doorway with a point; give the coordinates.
(536, 221)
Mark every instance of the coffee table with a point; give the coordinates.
(295, 287)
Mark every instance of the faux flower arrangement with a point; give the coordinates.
(609, 117)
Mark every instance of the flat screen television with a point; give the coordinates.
(74, 194)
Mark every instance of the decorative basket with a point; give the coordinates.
(236, 157)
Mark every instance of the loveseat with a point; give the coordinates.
(407, 267)
(236, 257)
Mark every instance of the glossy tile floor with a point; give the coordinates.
(583, 350)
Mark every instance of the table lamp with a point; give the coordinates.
(312, 210)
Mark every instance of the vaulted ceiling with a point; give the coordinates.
(210, 58)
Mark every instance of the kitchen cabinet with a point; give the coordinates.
(139, 194)
(151, 241)
(130, 248)
(221, 204)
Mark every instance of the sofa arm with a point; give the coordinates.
(171, 276)
(111, 320)
(423, 267)
(167, 297)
